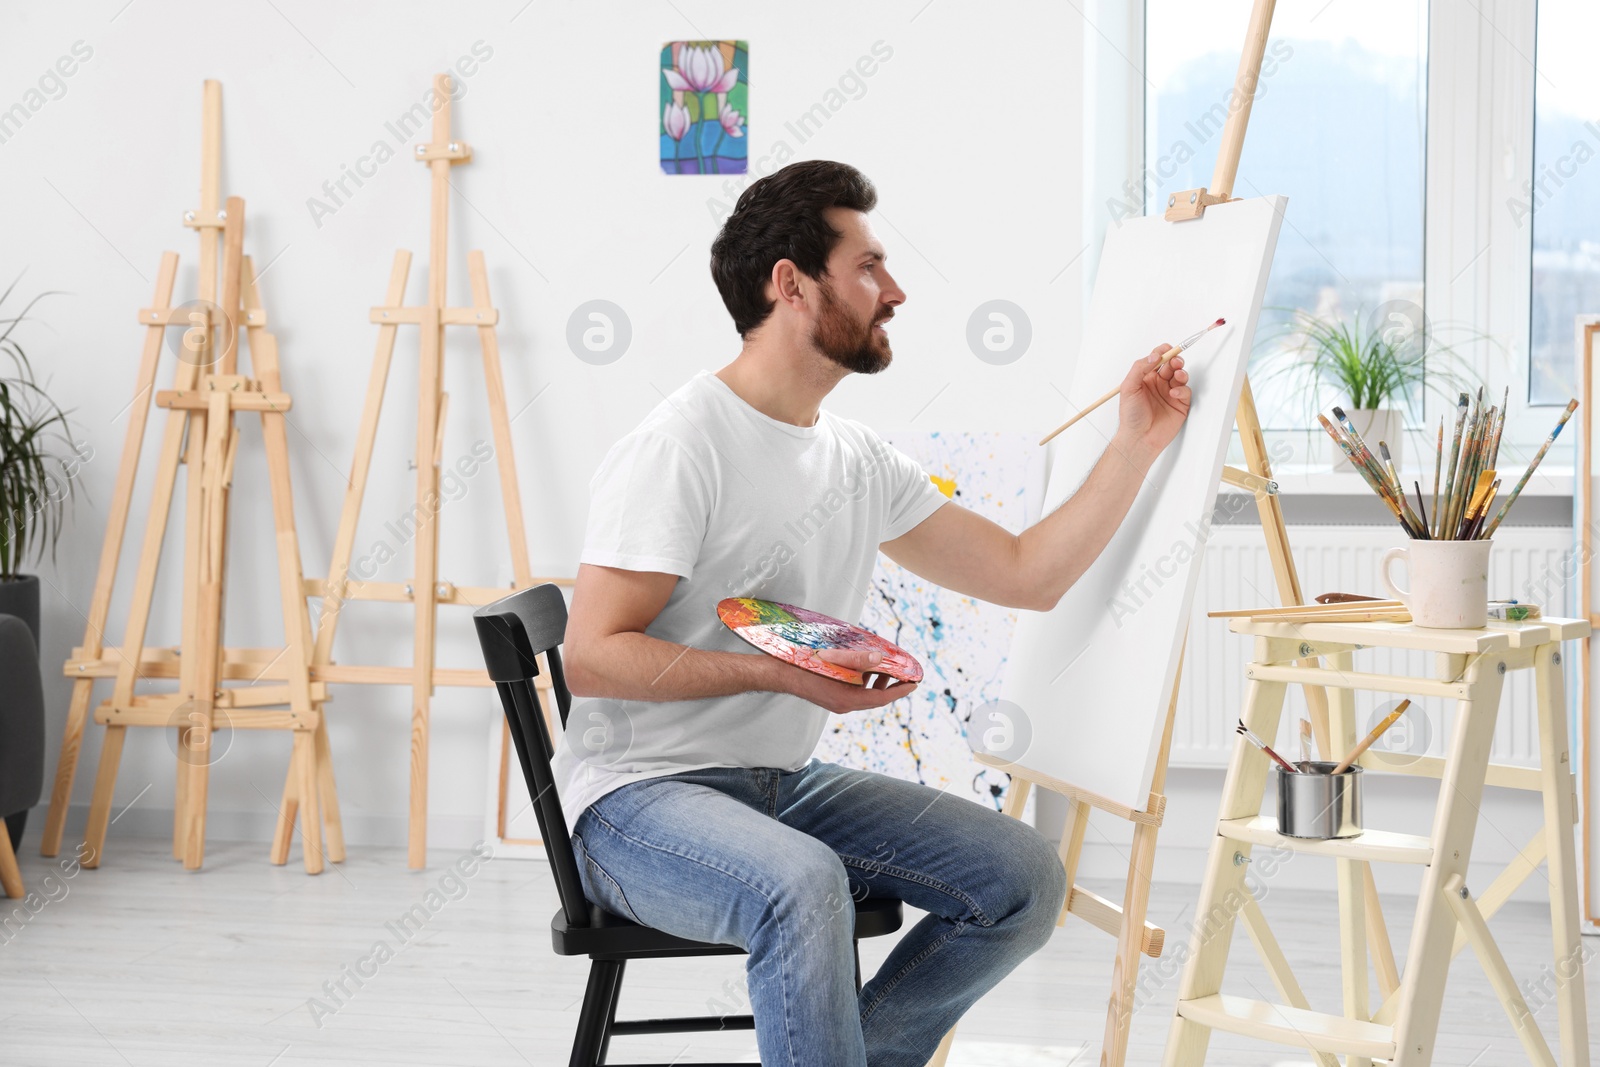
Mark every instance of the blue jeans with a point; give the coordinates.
(771, 860)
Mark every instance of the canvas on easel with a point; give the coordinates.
(1138, 743)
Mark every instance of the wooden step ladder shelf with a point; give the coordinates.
(1470, 667)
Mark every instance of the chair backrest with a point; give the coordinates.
(513, 631)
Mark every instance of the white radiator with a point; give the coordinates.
(1535, 564)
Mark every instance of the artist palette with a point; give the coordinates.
(796, 635)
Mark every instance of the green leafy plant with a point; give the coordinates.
(1369, 362)
(36, 481)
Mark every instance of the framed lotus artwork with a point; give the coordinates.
(705, 105)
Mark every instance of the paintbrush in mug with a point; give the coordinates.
(1377, 477)
(1355, 461)
(1182, 346)
(1364, 456)
(1366, 742)
(1476, 533)
(1441, 516)
(1439, 458)
(1548, 441)
(1419, 525)
(1249, 736)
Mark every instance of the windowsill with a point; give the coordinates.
(1312, 479)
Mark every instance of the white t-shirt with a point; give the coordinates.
(735, 504)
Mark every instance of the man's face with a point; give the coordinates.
(858, 297)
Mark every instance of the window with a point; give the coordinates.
(1338, 126)
(1561, 199)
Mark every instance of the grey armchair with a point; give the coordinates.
(21, 725)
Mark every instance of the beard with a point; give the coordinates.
(846, 340)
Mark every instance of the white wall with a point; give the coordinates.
(971, 129)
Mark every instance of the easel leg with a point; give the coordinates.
(105, 781)
(283, 833)
(425, 575)
(1071, 850)
(1125, 972)
(329, 794)
(110, 551)
(1560, 815)
(305, 761)
(180, 793)
(55, 823)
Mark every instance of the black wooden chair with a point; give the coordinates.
(513, 631)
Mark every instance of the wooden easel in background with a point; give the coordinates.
(424, 591)
(1586, 330)
(208, 392)
(1126, 921)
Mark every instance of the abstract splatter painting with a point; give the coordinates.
(961, 642)
(705, 107)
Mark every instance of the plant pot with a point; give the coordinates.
(19, 596)
(1374, 425)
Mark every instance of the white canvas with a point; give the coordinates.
(1088, 683)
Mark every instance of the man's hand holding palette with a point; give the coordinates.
(819, 643)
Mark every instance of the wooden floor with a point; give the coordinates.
(141, 963)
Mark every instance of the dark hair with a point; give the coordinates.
(780, 217)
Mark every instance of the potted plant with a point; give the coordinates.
(1376, 367)
(38, 467)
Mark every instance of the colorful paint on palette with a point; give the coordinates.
(795, 635)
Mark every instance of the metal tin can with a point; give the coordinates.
(1318, 804)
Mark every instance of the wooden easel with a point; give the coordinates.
(1126, 921)
(424, 591)
(208, 392)
(1587, 329)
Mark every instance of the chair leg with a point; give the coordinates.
(588, 1044)
(613, 998)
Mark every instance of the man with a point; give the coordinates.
(696, 806)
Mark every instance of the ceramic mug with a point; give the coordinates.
(1449, 582)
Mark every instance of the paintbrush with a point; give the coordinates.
(1419, 527)
(1439, 458)
(1388, 465)
(1363, 453)
(1443, 517)
(1182, 346)
(1366, 742)
(1422, 507)
(1361, 468)
(1466, 478)
(1572, 406)
(1250, 736)
(1308, 744)
(1476, 532)
(1500, 429)
(1476, 505)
